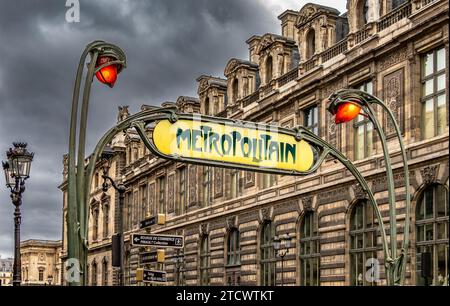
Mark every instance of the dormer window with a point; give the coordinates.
(269, 69)
(311, 43)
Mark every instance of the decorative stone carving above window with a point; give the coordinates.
(429, 174)
(359, 192)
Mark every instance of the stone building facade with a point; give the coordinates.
(41, 262)
(394, 49)
(6, 271)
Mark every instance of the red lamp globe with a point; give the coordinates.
(346, 112)
(108, 74)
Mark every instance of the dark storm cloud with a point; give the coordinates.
(168, 45)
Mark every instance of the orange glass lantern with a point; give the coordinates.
(108, 74)
(346, 111)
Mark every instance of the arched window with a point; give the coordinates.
(207, 106)
(94, 273)
(233, 248)
(205, 262)
(235, 89)
(105, 271)
(309, 251)
(432, 233)
(268, 275)
(363, 245)
(106, 219)
(310, 43)
(269, 69)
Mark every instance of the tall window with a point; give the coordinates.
(144, 202)
(234, 183)
(268, 275)
(205, 261)
(162, 195)
(309, 251)
(95, 223)
(363, 130)
(363, 244)
(105, 272)
(94, 273)
(233, 248)
(41, 274)
(310, 43)
(135, 154)
(207, 106)
(181, 200)
(105, 219)
(432, 232)
(129, 205)
(267, 180)
(235, 89)
(269, 69)
(311, 119)
(206, 186)
(434, 104)
(136, 207)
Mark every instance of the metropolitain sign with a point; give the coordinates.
(244, 145)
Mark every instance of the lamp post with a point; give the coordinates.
(282, 244)
(120, 188)
(346, 105)
(106, 62)
(17, 170)
(179, 265)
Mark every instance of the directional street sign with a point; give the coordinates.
(151, 276)
(160, 219)
(151, 257)
(168, 241)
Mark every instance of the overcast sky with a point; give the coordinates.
(169, 43)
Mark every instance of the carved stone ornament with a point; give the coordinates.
(360, 193)
(429, 174)
(203, 229)
(123, 113)
(231, 222)
(307, 203)
(266, 214)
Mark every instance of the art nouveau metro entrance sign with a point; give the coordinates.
(244, 145)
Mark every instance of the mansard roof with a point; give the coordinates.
(310, 11)
(236, 63)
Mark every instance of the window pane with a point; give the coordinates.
(428, 87)
(429, 232)
(441, 114)
(428, 64)
(359, 142)
(428, 119)
(441, 230)
(440, 58)
(420, 233)
(442, 264)
(441, 82)
(359, 241)
(369, 88)
(429, 203)
(369, 139)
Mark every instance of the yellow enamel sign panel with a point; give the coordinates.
(256, 146)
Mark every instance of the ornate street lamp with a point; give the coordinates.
(17, 170)
(346, 105)
(106, 62)
(282, 244)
